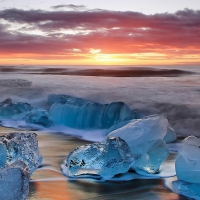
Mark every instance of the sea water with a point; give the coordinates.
(176, 97)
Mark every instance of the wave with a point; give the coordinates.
(125, 72)
(121, 73)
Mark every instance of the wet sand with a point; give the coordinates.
(48, 183)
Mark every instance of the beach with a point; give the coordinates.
(48, 182)
(175, 97)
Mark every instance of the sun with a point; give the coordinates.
(104, 57)
(107, 58)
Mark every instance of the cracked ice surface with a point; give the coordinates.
(104, 159)
(38, 116)
(3, 154)
(14, 181)
(22, 147)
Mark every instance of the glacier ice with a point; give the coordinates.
(38, 116)
(25, 112)
(105, 159)
(139, 131)
(150, 161)
(191, 190)
(188, 160)
(14, 181)
(82, 114)
(145, 138)
(170, 135)
(9, 109)
(3, 154)
(22, 147)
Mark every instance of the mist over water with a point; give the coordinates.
(173, 91)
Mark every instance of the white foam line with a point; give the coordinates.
(168, 184)
(125, 192)
(49, 179)
(49, 168)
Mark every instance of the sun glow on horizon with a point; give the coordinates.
(99, 37)
(77, 58)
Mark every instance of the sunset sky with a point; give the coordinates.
(88, 32)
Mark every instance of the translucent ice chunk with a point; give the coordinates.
(24, 147)
(38, 116)
(170, 135)
(82, 114)
(140, 131)
(104, 159)
(150, 161)
(191, 190)
(3, 154)
(9, 109)
(63, 98)
(145, 138)
(14, 182)
(188, 160)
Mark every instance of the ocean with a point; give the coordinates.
(171, 91)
